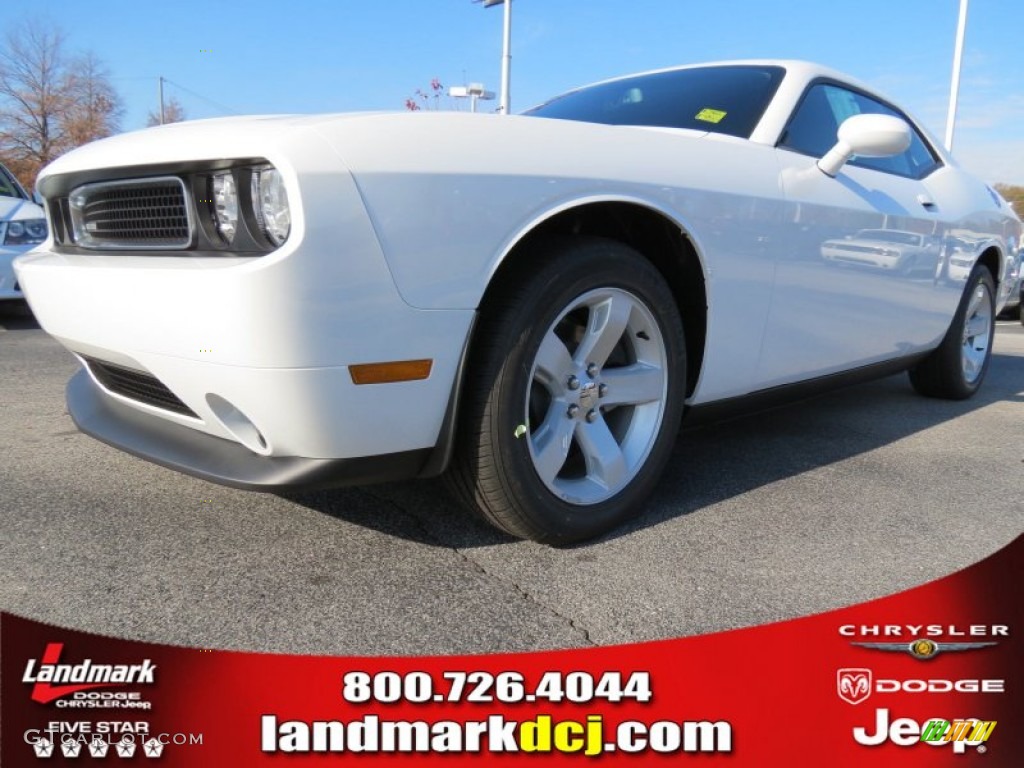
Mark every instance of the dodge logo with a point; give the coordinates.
(853, 685)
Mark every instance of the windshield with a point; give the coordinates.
(723, 99)
(8, 186)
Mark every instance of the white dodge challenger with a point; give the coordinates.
(529, 304)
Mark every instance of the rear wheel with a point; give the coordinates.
(958, 365)
(574, 393)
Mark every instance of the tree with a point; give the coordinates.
(49, 102)
(97, 108)
(423, 100)
(173, 113)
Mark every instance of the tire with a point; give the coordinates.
(563, 434)
(956, 368)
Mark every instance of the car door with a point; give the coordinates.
(858, 278)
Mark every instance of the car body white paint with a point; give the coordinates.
(400, 222)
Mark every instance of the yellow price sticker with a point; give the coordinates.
(711, 115)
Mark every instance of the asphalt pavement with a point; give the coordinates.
(850, 496)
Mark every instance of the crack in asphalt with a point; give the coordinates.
(422, 527)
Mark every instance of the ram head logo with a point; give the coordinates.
(853, 685)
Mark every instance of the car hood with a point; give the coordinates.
(274, 138)
(17, 209)
(228, 137)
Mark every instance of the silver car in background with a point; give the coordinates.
(22, 226)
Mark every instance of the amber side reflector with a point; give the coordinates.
(384, 373)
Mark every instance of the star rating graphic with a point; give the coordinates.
(98, 747)
(125, 748)
(43, 748)
(71, 748)
(153, 748)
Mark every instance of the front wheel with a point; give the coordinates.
(574, 393)
(956, 368)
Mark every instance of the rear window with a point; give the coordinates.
(721, 99)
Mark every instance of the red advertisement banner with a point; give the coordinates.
(928, 677)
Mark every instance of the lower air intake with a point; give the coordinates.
(138, 386)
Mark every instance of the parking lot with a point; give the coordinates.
(853, 495)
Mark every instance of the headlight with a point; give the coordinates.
(25, 232)
(224, 194)
(270, 199)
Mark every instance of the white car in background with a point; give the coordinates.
(891, 249)
(528, 303)
(22, 226)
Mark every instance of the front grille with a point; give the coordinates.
(853, 247)
(134, 213)
(138, 386)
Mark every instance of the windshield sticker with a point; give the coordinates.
(711, 115)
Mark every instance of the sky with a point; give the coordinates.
(260, 56)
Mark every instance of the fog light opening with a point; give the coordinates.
(238, 424)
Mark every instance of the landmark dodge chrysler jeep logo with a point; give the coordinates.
(79, 677)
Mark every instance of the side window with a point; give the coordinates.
(812, 130)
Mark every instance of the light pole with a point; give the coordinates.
(506, 55)
(160, 88)
(954, 87)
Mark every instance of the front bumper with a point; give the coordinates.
(258, 349)
(222, 461)
(242, 333)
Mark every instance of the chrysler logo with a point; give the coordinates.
(923, 648)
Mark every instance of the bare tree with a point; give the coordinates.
(96, 109)
(33, 98)
(423, 100)
(48, 102)
(173, 113)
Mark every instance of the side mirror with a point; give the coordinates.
(868, 136)
(37, 198)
